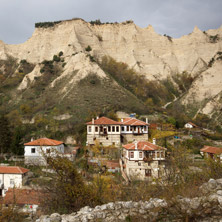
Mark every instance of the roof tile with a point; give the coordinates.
(44, 142)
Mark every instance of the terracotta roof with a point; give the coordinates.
(22, 196)
(192, 124)
(104, 121)
(113, 164)
(211, 149)
(43, 142)
(12, 170)
(142, 145)
(134, 122)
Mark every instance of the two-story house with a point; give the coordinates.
(109, 132)
(134, 129)
(10, 177)
(105, 131)
(35, 149)
(143, 160)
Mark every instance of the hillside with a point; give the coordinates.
(60, 67)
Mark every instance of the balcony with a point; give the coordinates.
(148, 159)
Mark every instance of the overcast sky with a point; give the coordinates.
(171, 17)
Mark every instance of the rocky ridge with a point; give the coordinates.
(150, 54)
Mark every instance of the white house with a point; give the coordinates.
(34, 150)
(190, 125)
(109, 132)
(105, 131)
(10, 177)
(143, 160)
(134, 129)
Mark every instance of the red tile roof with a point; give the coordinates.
(192, 124)
(43, 142)
(104, 121)
(134, 122)
(113, 164)
(12, 170)
(211, 149)
(142, 145)
(22, 196)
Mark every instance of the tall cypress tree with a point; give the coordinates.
(5, 135)
(16, 144)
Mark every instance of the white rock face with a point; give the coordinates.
(149, 53)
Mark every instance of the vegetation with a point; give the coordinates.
(46, 24)
(88, 48)
(66, 192)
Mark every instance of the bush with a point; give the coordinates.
(88, 48)
(56, 58)
(60, 54)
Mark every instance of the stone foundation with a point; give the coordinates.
(108, 140)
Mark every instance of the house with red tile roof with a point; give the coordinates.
(35, 149)
(109, 132)
(105, 131)
(143, 160)
(134, 129)
(26, 199)
(190, 125)
(11, 176)
(212, 152)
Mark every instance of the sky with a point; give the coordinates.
(171, 17)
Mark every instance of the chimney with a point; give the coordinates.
(147, 120)
(136, 147)
(97, 117)
(121, 120)
(154, 141)
(92, 120)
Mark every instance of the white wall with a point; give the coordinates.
(5, 179)
(93, 132)
(39, 149)
(143, 129)
(187, 125)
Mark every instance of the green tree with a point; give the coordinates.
(66, 191)
(5, 135)
(17, 144)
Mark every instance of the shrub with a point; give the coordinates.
(60, 53)
(88, 48)
(56, 58)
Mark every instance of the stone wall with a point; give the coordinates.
(204, 208)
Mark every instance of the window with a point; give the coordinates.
(117, 129)
(158, 154)
(122, 128)
(113, 128)
(107, 138)
(127, 128)
(12, 182)
(140, 154)
(148, 173)
(131, 128)
(96, 128)
(101, 129)
(109, 128)
(131, 154)
(90, 129)
(33, 150)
